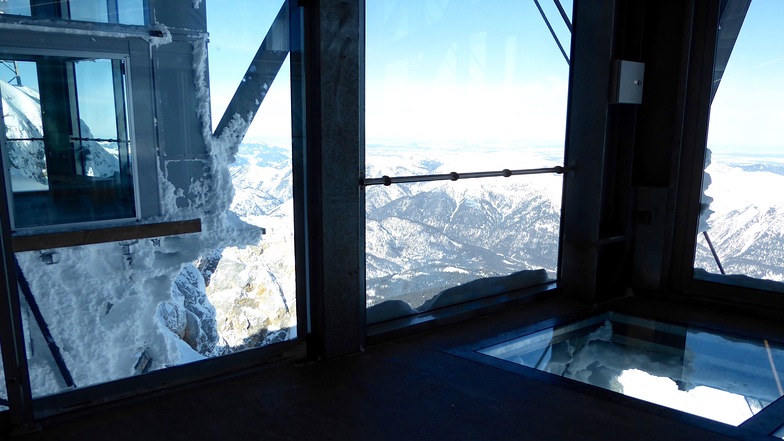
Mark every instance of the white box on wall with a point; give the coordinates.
(627, 82)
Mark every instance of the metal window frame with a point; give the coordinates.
(22, 51)
(709, 57)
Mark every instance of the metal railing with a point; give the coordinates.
(454, 176)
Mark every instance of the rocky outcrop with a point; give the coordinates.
(189, 313)
(251, 306)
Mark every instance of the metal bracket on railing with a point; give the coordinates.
(454, 176)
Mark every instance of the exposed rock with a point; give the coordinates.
(189, 314)
(251, 306)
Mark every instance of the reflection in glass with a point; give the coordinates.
(95, 99)
(15, 7)
(74, 165)
(742, 216)
(718, 376)
(89, 10)
(132, 12)
(429, 243)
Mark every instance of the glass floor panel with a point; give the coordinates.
(723, 377)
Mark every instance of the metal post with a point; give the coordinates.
(17, 376)
(336, 214)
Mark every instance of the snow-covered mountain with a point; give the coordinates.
(423, 238)
(747, 223)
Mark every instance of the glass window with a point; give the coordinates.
(66, 141)
(132, 12)
(723, 377)
(88, 10)
(462, 86)
(15, 7)
(115, 310)
(740, 232)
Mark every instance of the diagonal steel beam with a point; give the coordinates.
(565, 17)
(260, 74)
(552, 31)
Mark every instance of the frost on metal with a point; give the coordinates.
(109, 306)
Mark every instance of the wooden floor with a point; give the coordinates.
(413, 388)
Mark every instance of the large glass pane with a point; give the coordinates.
(74, 164)
(113, 310)
(742, 213)
(462, 86)
(723, 377)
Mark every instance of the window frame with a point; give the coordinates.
(130, 134)
(143, 71)
(681, 281)
(139, 109)
(385, 329)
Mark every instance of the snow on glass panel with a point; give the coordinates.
(75, 164)
(743, 215)
(132, 12)
(459, 86)
(121, 309)
(727, 378)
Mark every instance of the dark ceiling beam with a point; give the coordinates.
(733, 13)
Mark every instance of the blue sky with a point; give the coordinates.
(462, 73)
(747, 114)
(437, 70)
(237, 28)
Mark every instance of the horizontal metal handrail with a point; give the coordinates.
(454, 176)
(124, 141)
